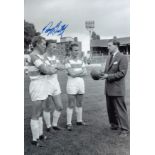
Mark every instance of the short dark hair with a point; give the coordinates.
(37, 39)
(115, 42)
(73, 45)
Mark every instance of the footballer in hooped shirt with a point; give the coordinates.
(75, 88)
(39, 88)
(54, 88)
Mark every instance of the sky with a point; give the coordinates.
(112, 17)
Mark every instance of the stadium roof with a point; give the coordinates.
(104, 42)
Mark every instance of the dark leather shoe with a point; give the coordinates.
(56, 128)
(37, 144)
(48, 129)
(69, 127)
(81, 124)
(123, 133)
(43, 137)
(114, 128)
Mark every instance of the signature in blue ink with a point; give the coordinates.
(59, 29)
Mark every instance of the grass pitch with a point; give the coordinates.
(95, 139)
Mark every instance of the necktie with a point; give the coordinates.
(111, 57)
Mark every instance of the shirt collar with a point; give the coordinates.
(115, 53)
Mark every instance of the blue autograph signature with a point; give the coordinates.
(59, 29)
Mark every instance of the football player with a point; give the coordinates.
(38, 88)
(55, 91)
(75, 88)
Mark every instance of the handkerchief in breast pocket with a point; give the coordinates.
(115, 63)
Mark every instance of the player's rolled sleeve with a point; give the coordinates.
(67, 66)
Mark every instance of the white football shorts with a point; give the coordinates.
(38, 89)
(75, 86)
(54, 86)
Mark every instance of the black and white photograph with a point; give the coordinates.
(76, 77)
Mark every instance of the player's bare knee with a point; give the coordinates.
(47, 110)
(71, 105)
(35, 116)
(59, 108)
(79, 104)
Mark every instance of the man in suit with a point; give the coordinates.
(114, 75)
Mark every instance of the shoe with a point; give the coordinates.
(43, 137)
(123, 133)
(48, 129)
(37, 144)
(56, 128)
(69, 127)
(81, 124)
(114, 128)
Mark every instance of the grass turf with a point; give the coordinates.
(95, 139)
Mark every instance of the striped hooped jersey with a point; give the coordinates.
(76, 65)
(33, 69)
(52, 61)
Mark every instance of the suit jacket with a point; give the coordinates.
(115, 83)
